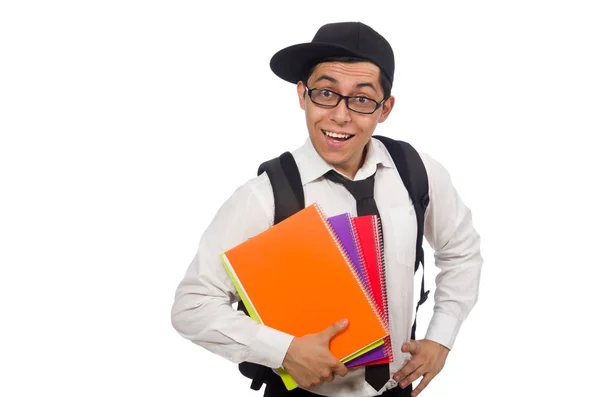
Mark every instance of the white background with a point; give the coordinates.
(125, 124)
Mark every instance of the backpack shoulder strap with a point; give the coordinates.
(288, 192)
(288, 196)
(414, 176)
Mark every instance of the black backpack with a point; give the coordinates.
(288, 194)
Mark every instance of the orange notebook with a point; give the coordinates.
(297, 278)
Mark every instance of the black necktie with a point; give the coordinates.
(376, 375)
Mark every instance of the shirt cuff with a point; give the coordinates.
(269, 347)
(443, 329)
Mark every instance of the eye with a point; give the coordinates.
(326, 93)
(362, 99)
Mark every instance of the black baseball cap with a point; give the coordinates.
(341, 39)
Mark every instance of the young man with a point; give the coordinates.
(343, 80)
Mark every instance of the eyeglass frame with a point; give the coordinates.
(346, 97)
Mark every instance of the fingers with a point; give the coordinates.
(340, 369)
(335, 329)
(326, 375)
(422, 385)
(315, 378)
(408, 369)
(413, 376)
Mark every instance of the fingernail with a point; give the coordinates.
(344, 322)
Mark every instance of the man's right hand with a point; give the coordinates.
(309, 361)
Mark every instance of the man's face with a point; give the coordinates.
(352, 130)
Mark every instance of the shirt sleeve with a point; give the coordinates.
(449, 230)
(202, 310)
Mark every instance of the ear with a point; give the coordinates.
(300, 87)
(388, 105)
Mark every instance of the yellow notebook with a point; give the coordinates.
(295, 277)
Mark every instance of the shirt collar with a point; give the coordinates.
(312, 166)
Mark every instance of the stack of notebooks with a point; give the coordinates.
(309, 271)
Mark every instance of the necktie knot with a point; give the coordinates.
(362, 191)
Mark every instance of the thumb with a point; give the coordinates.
(412, 347)
(335, 329)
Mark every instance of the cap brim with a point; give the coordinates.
(291, 63)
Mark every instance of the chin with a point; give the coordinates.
(335, 159)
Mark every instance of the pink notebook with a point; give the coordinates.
(368, 232)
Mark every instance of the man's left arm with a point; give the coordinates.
(450, 232)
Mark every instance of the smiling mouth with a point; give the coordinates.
(337, 136)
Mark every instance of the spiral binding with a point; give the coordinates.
(367, 294)
(378, 231)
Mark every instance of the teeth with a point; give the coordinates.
(335, 135)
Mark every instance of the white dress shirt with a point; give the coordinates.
(202, 311)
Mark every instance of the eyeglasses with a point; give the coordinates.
(329, 99)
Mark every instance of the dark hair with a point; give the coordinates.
(385, 82)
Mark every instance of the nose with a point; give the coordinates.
(340, 114)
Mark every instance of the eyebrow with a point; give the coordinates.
(334, 81)
(328, 78)
(366, 84)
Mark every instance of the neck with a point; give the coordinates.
(351, 170)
